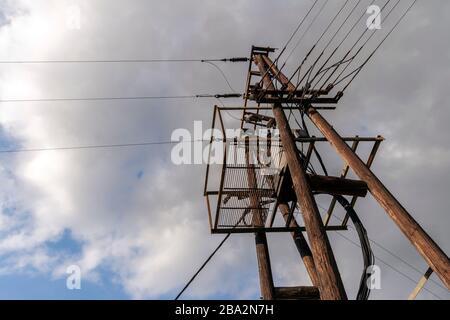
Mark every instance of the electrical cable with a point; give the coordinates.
(287, 43)
(379, 245)
(305, 32)
(341, 42)
(323, 34)
(334, 36)
(296, 30)
(235, 59)
(242, 218)
(227, 95)
(222, 73)
(390, 266)
(100, 146)
(350, 50)
(379, 259)
(350, 60)
(368, 256)
(202, 266)
(379, 45)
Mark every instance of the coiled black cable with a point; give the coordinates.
(368, 256)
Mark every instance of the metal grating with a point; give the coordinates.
(243, 205)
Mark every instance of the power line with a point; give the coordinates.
(379, 245)
(334, 51)
(368, 256)
(288, 41)
(211, 255)
(344, 237)
(384, 262)
(334, 36)
(208, 61)
(296, 29)
(222, 73)
(301, 38)
(347, 206)
(332, 21)
(101, 146)
(406, 263)
(350, 60)
(227, 95)
(322, 35)
(98, 98)
(390, 266)
(379, 45)
(235, 59)
(203, 266)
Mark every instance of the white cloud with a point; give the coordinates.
(152, 231)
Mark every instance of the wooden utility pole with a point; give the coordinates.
(262, 249)
(301, 244)
(330, 286)
(421, 284)
(289, 180)
(430, 251)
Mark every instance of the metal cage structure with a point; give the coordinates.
(230, 209)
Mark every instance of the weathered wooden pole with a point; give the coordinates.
(262, 250)
(264, 268)
(421, 284)
(430, 251)
(297, 293)
(330, 286)
(301, 244)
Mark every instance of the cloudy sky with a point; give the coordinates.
(137, 224)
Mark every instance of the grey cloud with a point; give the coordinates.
(129, 224)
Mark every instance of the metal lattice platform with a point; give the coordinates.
(239, 203)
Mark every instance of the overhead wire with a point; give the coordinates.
(210, 61)
(368, 256)
(227, 95)
(304, 33)
(297, 71)
(342, 41)
(337, 65)
(202, 266)
(380, 44)
(295, 31)
(351, 59)
(321, 37)
(379, 245)
(378, 258)
(222, 73)
(242, 218)
(390, 266)
(235, 59)
(98, 146)
(288, 42)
